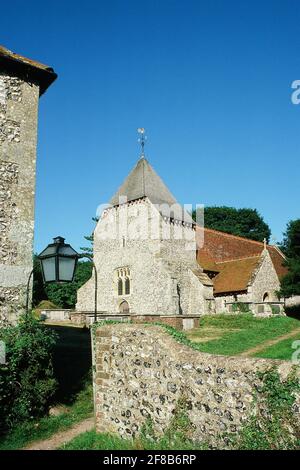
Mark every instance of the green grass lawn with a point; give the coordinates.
(282, 350)
(234, 334)
(92, 441)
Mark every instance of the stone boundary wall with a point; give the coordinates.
(141, 372)
(181, 322)
(293, 301)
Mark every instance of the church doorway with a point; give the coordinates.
(124, 307)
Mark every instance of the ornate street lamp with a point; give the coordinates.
(58, 262)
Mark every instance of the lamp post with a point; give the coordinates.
(58, 262)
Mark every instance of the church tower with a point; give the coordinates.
(145, 253)
(22, 82)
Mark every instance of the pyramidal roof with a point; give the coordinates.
(143, 181)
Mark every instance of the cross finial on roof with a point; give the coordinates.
(265, 243)
(142, 140)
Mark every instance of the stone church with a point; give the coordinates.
(152, 258)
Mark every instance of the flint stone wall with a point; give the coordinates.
(163, 272)
(18, 132)
(142, 372)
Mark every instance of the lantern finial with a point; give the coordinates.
(59, 240)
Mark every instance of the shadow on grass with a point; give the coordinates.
(72, 361)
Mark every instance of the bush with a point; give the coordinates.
(276, 425)
(43, 305)
(293, 311)
(27, 384)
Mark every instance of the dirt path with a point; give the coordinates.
(62, 437)
(270, 342)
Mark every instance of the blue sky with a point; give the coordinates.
(209, 80)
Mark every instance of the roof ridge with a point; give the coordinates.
(238, 259)
(276, 248)
(235, 236)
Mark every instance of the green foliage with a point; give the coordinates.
(245, 222)
(27, 384)
(291, 239)
(178, 433)
(44, 428)
(293, 311)
(290, 284)
(176, 334)
(90, 238)
(64, 294)
(43, 305)
(276, 426)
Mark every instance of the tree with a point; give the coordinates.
(89, 238)
(291, 239)
(246, 223)
(290, 284)
(64, 294)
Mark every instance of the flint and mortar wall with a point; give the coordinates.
(135, 236)
(141, 372)
(18, 132)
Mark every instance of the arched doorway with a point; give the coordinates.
(124, 307)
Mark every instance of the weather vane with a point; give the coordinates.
(142, 140)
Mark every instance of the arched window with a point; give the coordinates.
(122, 280)
(127, 286)
(266, 297)
(120, 286)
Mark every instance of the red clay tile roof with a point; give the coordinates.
(234, 257)
(206, 261)
(44, 74)
(234, 276)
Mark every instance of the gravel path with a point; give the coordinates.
(62, 437)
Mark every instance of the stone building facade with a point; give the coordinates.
(153, 259)
(245, 273)
(144, 249)
(22, 82)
